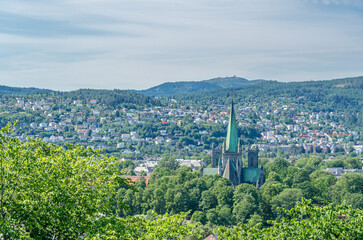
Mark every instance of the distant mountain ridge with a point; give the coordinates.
(173, 88)
(211, 85)
(345, 94)
(5, 90)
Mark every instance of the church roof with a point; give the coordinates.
(232, 132)
(230, 172)
(210, 171)
(227, 170)
(251, 175)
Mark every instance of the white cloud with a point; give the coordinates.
(141, 43)
(353, 3)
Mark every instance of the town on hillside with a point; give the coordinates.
(145, 134)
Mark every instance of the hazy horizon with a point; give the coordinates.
(107, 44)
(182, 81)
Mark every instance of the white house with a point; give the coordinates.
(358, 149)
(120, 145)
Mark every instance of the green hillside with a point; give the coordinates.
(5, 90)
(234, 81)
(109, 97)
(338, 94)
(171, 88)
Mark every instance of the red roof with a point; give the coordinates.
(211, 237)
(137, 178)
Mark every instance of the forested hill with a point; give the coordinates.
(5, 90)
(110, 98)
(171, 88)
(333, 95)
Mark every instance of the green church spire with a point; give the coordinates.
(232, 133)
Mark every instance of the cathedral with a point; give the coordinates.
(227, 160)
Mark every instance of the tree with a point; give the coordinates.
(309, 191)
(127, 197)
(241, 190)
(199, 216)
(273, 176)
(225, 216)
(159, 173)
(300, 176)
(290, 174)
(207, 201)
(286, 199)
(158, 203)
(347, 184)
(168, 162)
(224, 195)
(355, 200)
(183, 174)
(194, 196)
(322, 184)
(152, 226)
(304, 222)
(207, 159)
(181, 199)
(212, 216)
(255, 219)
(271, 189)
(279, 165)
(50, 192)
(268, 191)
(351, 162)
(244, 208)
(142, 173)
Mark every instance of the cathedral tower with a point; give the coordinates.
(227, 160)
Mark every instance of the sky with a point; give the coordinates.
(137, 44)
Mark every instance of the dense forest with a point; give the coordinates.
(185, 87)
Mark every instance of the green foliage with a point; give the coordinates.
(286, 199)
(300, 176)
(245, 189)
(244, 208)
(207, 201)
(172, 88)
(48, 192)
(304, 222)
(143, 227)
(51, 192)
(274, 177)
(159, 173)
(353, 163)
(109, 97)
(5, 90)
(168, 162)
(199, 216)
(279, 165)
(212, 200)
(348, 187)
